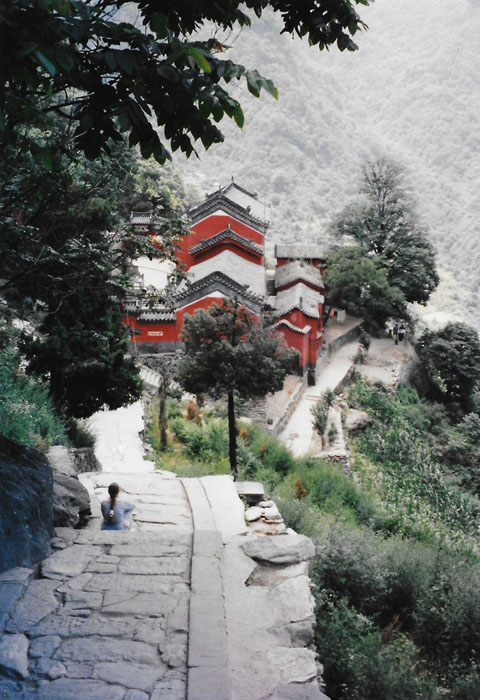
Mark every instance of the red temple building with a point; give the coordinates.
(224, 257)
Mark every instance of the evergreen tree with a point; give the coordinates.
(81, 349)
(227, 352)
(385, 226)
(359, 285)
(63, 271)
(451, 357)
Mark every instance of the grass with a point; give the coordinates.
(396, 572)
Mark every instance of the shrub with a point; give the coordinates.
(320, 411)
(193, 413)
(27, 414)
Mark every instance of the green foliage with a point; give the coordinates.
(359, 284)
(179, 82)
(81, 350)
(320, 411)
(408, 477)
(385, 227)
(227, 352)
(451, 357)
(27, 415)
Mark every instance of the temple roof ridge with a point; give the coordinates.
(223, 235)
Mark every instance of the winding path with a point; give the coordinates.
(174, 610)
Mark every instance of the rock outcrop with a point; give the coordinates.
(26, 512)
(356, 421)
(71, 501)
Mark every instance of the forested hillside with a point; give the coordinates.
(411, 93)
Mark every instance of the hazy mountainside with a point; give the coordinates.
(411, 93)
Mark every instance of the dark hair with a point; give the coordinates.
(113, 491)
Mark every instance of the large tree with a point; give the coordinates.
(228, 353)
(154, 80)
(66, 274)
(359, 284)
(385, 225)
(451, 357)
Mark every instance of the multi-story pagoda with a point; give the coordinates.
(223, 256)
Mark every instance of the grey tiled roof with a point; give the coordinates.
(162, 315)
(301, 251)
(284, 322)
(297, 270)
(219, 282)
(298, 297)
(233, 266)
(228, 233)
(217, 199)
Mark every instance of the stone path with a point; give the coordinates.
(176, 609)
(109, 615)
(299, 434)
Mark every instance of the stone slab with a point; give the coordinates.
(207, 644)
(227, 508)
(97, 649)
(70, 561)
(199, 505)
(14, 655)
(157, 546)
(44, 646)
(130, 675)
(250, 489)
(148, 604)
(136, 695)
(73, 689)
(293, 599)
(207, 543)
(37, 602)
(46, 668)
(206, 576)
(19, 574)
(292, 665)
(9, 594)
(178, 566)
(206, 683)
(167, 518)
(297, 691)
(154, 583)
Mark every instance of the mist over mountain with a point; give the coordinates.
(410, 93)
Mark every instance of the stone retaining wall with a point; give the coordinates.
(291, 405)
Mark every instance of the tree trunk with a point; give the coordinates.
(232, 436)
(162, 421)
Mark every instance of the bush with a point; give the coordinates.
(320, 411)
(27, 414)
(79, 435)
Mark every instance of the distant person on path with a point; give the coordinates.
(116, 514)
(395, 334)
(401, 333)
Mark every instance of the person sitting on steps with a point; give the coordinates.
(116, 514)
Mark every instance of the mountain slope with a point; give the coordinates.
(411, 93)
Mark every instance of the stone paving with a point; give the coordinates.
(107, 614)
(190, 605)
(298, 435)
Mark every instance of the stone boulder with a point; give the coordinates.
(282, 550)
(26, 513)
(73, 461)
(356, 421)
(71, 501)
